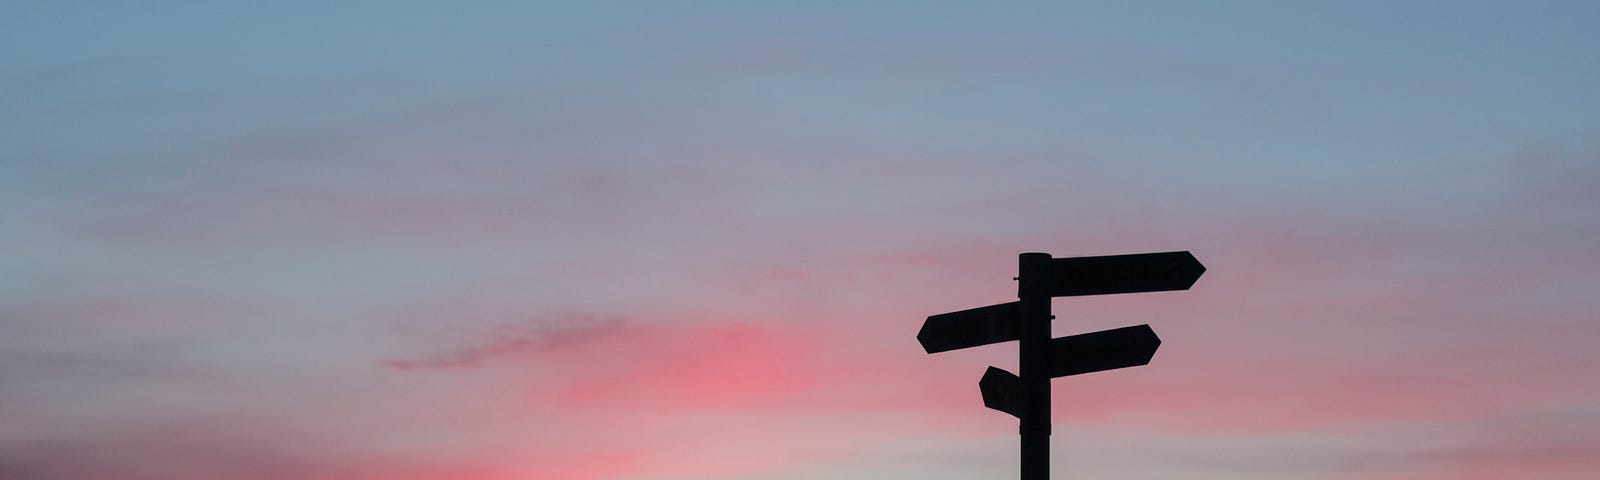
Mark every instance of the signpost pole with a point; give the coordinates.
(1034, 283)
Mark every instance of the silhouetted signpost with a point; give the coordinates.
(1040, 358)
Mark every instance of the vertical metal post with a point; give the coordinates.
(1034, 283)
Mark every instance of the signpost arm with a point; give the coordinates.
(1034, 283)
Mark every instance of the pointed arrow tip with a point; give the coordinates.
(1195, 266)
(928, 338)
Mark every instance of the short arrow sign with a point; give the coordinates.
(971, 328)
(1002, 391)
(1100, 351)
(1141, 272)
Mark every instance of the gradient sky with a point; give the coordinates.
(695, 240)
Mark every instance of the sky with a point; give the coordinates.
(695, 240)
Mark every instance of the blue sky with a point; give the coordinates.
(671, 240)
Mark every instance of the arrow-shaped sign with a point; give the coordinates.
(1141, 272)
(1002, 391)
(1102, 350)
(971, 328)
(1087, 353)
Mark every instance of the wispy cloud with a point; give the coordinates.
(513, 340)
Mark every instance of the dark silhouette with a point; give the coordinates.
(1040, 358)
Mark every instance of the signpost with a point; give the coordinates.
(1040, 358)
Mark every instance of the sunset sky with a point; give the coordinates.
(386, 240)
